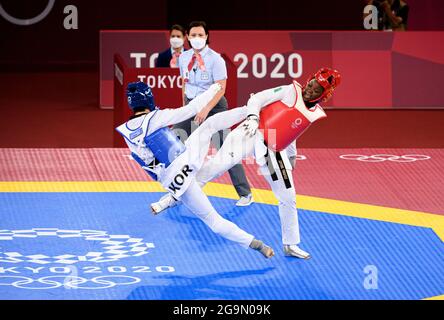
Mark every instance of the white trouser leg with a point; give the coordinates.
(237, 146)
(199, 141)
(198, 203)
(288, 213)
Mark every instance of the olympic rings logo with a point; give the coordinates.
(115, 247)
(27, 22)
(385, 157)
(296, 123)
(68, 282)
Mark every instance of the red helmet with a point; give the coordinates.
(329, 79)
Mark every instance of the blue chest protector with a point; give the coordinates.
(164, 145)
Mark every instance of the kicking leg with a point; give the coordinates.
(237, 146)
(198, 203)
(199, 142)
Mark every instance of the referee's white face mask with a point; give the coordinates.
(176, 42)
(198, 42)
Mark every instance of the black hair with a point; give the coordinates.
(199, 24)
(177, 27)
(396, 4)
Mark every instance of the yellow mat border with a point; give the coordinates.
(358, 210)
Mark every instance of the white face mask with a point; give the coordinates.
(176, 42)
(198, 43)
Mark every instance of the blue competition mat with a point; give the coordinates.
(109, 246)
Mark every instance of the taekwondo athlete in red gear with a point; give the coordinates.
(166, 159)
(282, 114)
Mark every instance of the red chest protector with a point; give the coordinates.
(282, 124)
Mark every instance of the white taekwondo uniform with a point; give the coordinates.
(186, 188)
(274, 166)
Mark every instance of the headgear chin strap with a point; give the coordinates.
(329, 79)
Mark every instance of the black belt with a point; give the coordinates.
(281, 166)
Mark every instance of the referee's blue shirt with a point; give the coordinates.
(198, 80)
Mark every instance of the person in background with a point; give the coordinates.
(169, 58)
(401, 10)
(387, 19)
(200, 67)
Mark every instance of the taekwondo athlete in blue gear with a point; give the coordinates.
(164, 144)
(174, 164)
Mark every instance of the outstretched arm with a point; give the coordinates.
(203, 114)
(257, 102)
(264, 98)
(169, 117)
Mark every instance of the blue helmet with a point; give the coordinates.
(140, 96)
